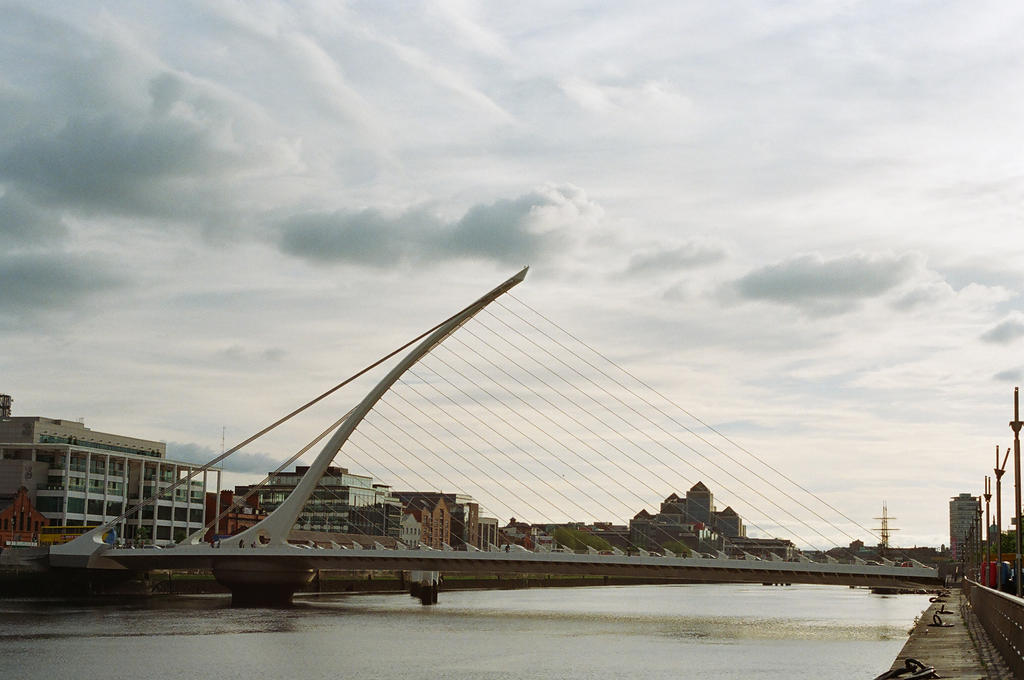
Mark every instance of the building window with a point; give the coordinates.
(48, 504)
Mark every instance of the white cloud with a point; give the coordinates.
(674, 258)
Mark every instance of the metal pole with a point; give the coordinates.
(988, 533)
(978, 542)
(1015, 426)
(999, 470)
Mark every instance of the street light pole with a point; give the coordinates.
(1015, 426)
(978, 542)
(986, 570)
(999, 470)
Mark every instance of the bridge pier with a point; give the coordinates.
(423, 584)
(259, 583)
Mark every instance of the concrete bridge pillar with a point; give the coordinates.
(254, 582)
(423, 584)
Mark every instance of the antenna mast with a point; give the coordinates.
(884, 530)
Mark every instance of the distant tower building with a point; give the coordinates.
(963, 515)
(673, 505)
(700, 503)
(728, 524)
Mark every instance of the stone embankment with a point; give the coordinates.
(960, 650)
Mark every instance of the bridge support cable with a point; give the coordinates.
(517, 446)
(399, 412)
(455, 487)
(480, 451)
(274, 528)
(351, 444)
(644, 501)
(491, 412)
(496, 415)
(577, 421)
(506, 357)
(323, 489)
(647, 418)
(87, 541)
(485, 506)
(196, 537)
(467, 460)
(689, 414)
(450, 417)
(376, 412)
(528, 422)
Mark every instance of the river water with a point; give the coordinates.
(645, 632)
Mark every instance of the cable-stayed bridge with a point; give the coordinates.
(499, 402)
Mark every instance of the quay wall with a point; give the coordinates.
(959, 647)
(71, 583)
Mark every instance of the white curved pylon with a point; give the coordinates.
(277, 525)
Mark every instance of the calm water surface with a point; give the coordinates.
(672, 631)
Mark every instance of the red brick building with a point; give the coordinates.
(435, 520)
(20, 521)
(242, 517)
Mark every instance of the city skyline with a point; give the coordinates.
(799, 223)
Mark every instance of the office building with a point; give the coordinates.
(75, 476)
(343, 502)
(964, 515)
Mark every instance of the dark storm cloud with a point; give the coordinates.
(820, 286)
(94, 123)
(109, 163)
(240, 461)
(501, 231)
(366, 237)
(33, 283)
(1004, 333)
(517, 231)
(687, 256)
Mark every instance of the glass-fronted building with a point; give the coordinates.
(76, 476)
(342, 502)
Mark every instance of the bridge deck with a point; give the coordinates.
(719, 570)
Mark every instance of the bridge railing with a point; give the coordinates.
(1002, 617)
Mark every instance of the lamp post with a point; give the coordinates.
(999, 470)
(986, 571)
(1015, 426)
(978, 542)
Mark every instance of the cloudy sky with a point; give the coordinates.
(800, 221)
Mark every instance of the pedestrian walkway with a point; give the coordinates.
(961, 650)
